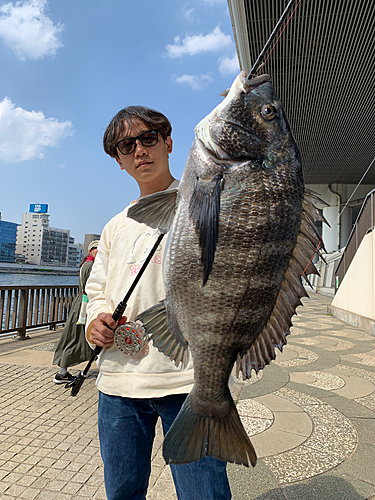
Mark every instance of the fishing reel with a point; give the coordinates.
(130, 338)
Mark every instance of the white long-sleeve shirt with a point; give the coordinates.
(123, 247)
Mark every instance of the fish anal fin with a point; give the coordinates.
(193, 436)
(156, 210)
(204, 209)
(262, 351)
(168, 341)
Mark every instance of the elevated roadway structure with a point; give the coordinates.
(323, 69)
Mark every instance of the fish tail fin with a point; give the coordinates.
(192, 437)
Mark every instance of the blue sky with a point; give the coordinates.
(67, 67)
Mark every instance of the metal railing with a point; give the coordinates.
(324, 283)
(363, 225)
(25, 308)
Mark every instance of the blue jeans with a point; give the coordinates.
(126, 434)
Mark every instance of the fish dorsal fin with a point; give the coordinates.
(156, 210)
(171, 343)
(224, 93)
(204, 209)
(274, 333)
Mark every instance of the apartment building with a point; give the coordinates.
(40, 243)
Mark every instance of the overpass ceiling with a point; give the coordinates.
(323, 69)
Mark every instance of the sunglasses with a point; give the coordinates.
(128, 145)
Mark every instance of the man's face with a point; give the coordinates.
(146, 164)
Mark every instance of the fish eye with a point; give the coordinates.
(268, 112)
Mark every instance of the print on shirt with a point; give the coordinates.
(141, 248)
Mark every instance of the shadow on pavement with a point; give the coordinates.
(320, 487)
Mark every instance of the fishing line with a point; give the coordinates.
(316, 252)
(266, 59)
(272, 36)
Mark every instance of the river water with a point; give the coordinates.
(18, 279)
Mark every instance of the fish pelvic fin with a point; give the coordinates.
(156, 210)
(274, 333)
(204, 209)
(171, 344)
(192, 437)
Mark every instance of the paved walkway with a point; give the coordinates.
(310, 415)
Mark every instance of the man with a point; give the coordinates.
(135, 390)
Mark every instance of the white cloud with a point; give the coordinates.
(213, 2)
(25, 134)
(195, 44)
(188, 14)
(229, 65)
(196, 82)
(28, 31)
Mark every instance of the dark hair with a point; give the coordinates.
(126, 117)
(83, 261)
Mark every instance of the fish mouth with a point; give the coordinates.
(202, 130)
(250, 84)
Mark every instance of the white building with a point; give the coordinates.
(75, 253)
(40, 243)
(55, 244)
(30, 236)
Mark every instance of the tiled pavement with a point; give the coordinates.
(310, 415)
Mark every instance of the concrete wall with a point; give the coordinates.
(354, 301)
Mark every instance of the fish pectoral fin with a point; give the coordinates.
(156, 210)
(170, 343)
(204, 209)
(193, 436)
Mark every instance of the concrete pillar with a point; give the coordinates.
(331, 234)
(336, 195)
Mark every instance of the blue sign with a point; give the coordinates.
(39, 208)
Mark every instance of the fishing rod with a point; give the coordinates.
(272, 36)
(76, 384)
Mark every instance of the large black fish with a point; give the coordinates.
(241, 234)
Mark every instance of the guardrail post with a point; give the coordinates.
(22, 320)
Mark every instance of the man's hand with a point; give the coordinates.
(102, 332)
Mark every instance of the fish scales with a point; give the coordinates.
(240, 235)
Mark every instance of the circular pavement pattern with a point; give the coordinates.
(332, 440)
